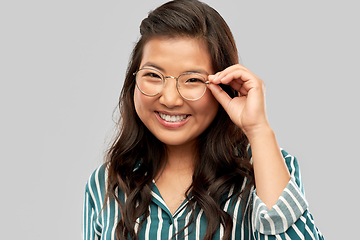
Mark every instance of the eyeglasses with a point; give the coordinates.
(191, 86)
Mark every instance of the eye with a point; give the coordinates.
(152, 75)
(195, 80)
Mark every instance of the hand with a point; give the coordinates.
(248, 112)
(248, 109)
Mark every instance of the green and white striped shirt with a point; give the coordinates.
(288, 219)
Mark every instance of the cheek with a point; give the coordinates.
(209, 107)
(211, 103)
(213, 109)
(139, 103)
(144, 107)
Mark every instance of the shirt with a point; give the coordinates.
(289, 218)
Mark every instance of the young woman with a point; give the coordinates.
(193, 143)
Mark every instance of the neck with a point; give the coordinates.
(181, 158)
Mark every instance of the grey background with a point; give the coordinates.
(62, 65)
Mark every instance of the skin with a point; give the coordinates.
(247, 111)
(188, 54)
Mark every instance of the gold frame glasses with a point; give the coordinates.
(151, 82)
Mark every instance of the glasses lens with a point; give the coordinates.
(192, 86)
(149, 81)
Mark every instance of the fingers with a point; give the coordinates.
(221, 96)
(237, 72)
(239, 88)
(238, 77)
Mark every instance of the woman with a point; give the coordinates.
(193, 143)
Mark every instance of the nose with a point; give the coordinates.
(170, 97)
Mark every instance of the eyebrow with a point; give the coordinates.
(150, 64)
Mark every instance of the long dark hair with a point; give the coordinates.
(222, 161)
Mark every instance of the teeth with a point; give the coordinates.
(172, 118)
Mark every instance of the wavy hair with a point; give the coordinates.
(222, 160)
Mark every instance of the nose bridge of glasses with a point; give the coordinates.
(165, 77)
(166, 84)
(170, 92)
(170, 77)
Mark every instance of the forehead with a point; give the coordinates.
(177, 54)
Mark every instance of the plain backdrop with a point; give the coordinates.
(62, 65)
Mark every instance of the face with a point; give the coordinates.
(172, 119)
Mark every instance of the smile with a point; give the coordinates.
(172, 118)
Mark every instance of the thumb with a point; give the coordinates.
(220, 95)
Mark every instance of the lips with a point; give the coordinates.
(172, 120)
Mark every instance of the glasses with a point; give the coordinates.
(191, 86)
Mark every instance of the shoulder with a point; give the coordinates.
(96, 184)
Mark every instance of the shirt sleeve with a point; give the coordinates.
(91, 221)
(289, 218)
(88, 229)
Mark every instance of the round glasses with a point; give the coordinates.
(191, 86)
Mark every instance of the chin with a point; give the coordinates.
(175, 141)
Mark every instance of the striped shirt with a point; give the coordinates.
(289, 218)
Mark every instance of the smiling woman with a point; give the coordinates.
(190, 149)
(159, 113)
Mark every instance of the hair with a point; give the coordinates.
(222, 160)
